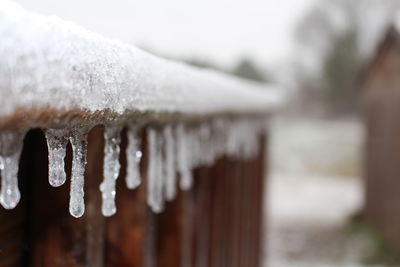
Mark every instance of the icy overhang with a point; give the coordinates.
(64, 79)
(52, 71)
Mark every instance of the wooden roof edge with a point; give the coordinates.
(25, 119)
(392, 35)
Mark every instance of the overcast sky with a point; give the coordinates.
(217, 30)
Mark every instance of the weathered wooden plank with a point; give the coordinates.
(95, 221)
(127, 230)
(56, 238)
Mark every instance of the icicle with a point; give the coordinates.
(57, 143)
(133, 157)
(198, 159)
(10, 151)
(79, 146)
(154, 195)
(186, 177)
(169, 164)
(206, 149)
(160, 171)
(112, 136)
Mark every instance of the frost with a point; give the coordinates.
(57, 141)
(133, 157)
(10, 151)
(78, 141)
(112, 137)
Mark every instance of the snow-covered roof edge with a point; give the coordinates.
(54, 65)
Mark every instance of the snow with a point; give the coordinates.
(314, 190)
(50, 63)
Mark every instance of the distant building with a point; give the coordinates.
(381, 82)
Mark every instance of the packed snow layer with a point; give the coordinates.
(50, 63)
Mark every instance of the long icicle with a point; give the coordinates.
(169, 165)
(78, 141)
(111, 168)
(186, 177)
(133, 158)
(160, 178)
(153, 199)
(57, 140)
(10, 151)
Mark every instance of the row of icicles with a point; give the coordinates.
(172, 149)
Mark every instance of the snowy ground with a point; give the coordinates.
(314, 188)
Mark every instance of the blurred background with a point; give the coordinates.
(320, 51)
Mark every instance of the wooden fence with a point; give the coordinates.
(218, 223)
(58, 77)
